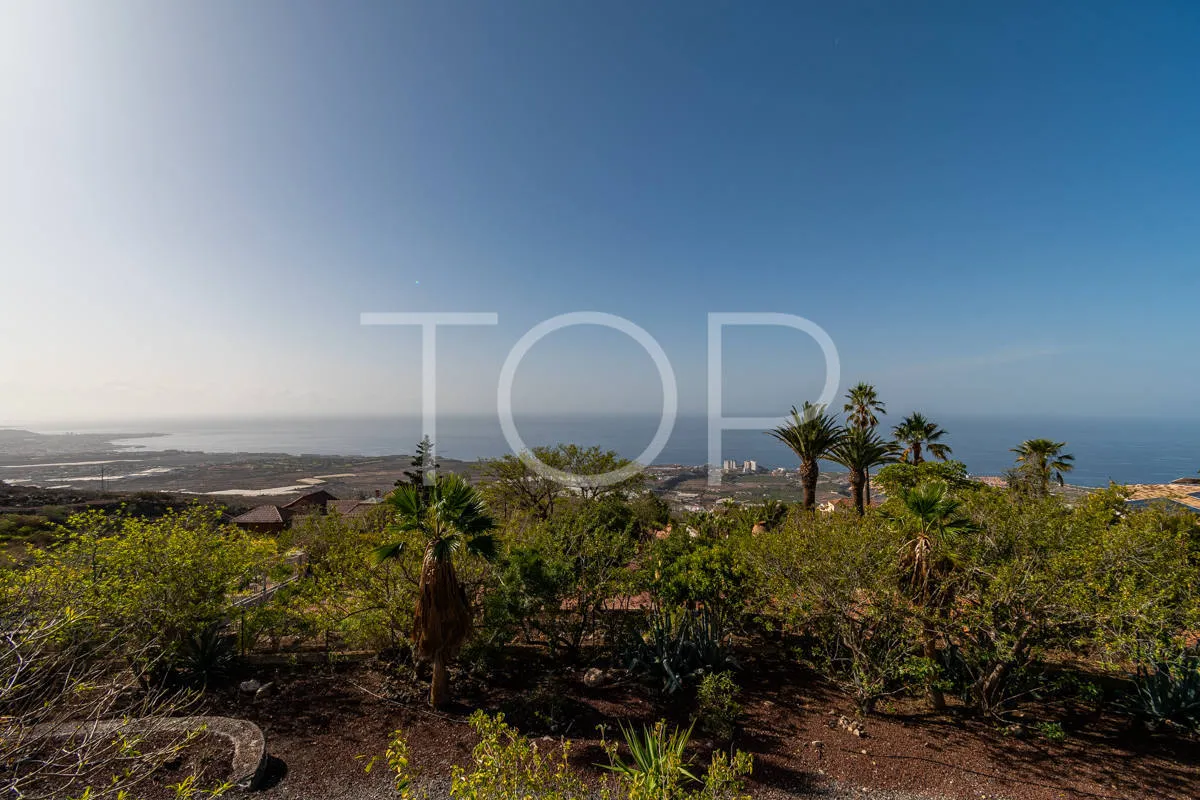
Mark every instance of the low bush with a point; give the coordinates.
(166, 584)
(703, 563)
(559, 571)
(717, 706)
(506, 765)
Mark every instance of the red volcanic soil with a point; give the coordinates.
(324, 723)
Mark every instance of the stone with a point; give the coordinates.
(594, 677)
(851, 726)
(249, 745)
(250, 686)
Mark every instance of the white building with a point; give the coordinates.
(749, 467)
(730, 465)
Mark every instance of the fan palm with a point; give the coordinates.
(861, 406)
(930, 517)
(810, 434)
(449, 518)
(1045, 459)
(858, 450)
(916, 432)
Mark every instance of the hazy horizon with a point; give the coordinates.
(1126, 450)
(145, 422)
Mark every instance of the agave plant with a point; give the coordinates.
(207, 652)
(1169, 692)
(681, 646)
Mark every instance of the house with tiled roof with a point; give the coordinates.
(352, 508)
(273, 518)
(309, 501)
(262, 519)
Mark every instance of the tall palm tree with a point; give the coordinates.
(810, 434)
(1045, 460)
(858, 450)
(862, 404)
(449, 518)
(930, 517)
(916, 432)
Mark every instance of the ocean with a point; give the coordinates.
(1121, 450)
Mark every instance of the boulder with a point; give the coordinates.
(594, 677)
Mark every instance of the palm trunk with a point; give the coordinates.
(439, 687)
(916, 448)
(857, 481)
(936, 699)
(867, 486)
(808, 480)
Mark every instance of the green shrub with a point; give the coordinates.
(1052, 731)
(507, 766)
(717, 707)
(708, 569)
(558, 572)
(835, 577)
(894, 478)
(344, 596)
(166, 584)
(504, 766)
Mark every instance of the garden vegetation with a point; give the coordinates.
(933, 586)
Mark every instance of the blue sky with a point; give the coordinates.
(991, 207)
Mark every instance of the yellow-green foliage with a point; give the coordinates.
(157, 582)
(366, 605)
(507, 766)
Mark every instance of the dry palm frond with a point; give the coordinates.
(442, 621)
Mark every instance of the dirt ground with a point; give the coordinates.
(323, 724)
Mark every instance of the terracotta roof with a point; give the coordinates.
(991, 480)
(260, 516)
(350, 508)
(319, 496)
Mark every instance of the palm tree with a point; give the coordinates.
(858, 450)
(861, 406)
(916, 432)
(930, 516)
(1044, 459)
(451, 517)
(862, 403)
(810, 434)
